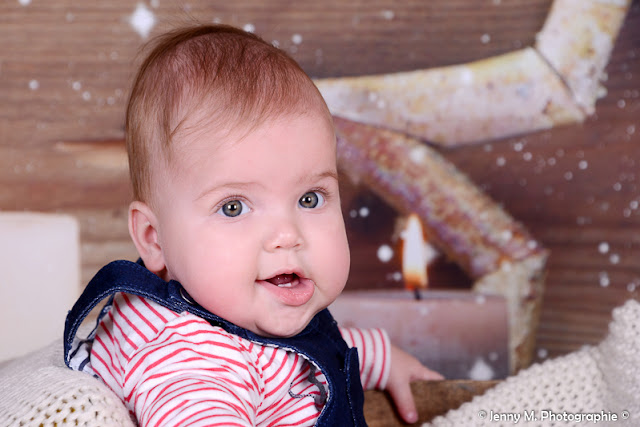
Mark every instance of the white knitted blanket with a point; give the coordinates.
(596, 386)
(39, 390)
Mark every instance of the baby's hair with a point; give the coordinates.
(213, 75)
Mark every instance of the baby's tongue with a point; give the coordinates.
(282, 279)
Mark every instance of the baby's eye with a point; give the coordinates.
(311, 199)
(233, 208)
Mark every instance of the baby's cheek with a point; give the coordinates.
(340, 263)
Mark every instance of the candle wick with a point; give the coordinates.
(416, 294)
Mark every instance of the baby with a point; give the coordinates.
(238, 223)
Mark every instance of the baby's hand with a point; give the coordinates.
(404, 369)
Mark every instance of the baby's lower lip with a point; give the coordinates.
(295, 292)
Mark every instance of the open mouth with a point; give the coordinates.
(285, 280)
(290, 288)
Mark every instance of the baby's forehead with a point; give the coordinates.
(208, 124)
(201, 137)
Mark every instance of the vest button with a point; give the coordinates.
(186, 297)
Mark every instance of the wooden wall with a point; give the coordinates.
(65, 69)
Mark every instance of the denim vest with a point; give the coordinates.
(320, 342)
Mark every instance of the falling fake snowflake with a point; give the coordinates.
(603, 247)
(481, 371)
(385, 253)
(604, 279)
(388, 14)
(142, 20)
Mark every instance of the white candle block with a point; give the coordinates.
(462, 335)
(39, 279)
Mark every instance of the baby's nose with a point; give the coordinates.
(284, 234)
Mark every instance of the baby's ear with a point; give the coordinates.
(143, 228)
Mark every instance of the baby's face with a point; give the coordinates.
(253, 229)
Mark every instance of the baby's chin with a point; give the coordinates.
(281, 329)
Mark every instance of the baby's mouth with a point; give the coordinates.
(284, 280)
(290, 288)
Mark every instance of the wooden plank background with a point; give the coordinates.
(65, 69)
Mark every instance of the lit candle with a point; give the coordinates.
(461, 334)
(417, 253)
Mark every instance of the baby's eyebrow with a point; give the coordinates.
(242, 185)
(239, 185)
(323, 175)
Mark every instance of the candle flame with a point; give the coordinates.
(415, 255)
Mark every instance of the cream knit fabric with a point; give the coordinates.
(39, 390)
(588, 387)
(602, 381)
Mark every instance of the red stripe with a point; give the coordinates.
(101, 360)
(107, 331)
(220, 370)
(208, 418)
(129, 321)
(280, 367)
(309, 389)
(175, 354)
(205, 355)
(153, 310)
(287, 379)
(111, 333)
(115, 367)
(173, 397)
(351, 338)
(160, 421)
(140, 316)
(261, 350)
(365, 376)
(302, 375)
(297, 422)
(172, 392)
(174, 330)
(274, 353)
(384, 359)
(187, 321)
(123, 333)
(112, 341)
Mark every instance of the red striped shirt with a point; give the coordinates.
(177, 369)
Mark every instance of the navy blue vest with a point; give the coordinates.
(320, 342)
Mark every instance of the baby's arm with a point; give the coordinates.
(385, 366)
(373, 355)
(187, 376)
(191, 398)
